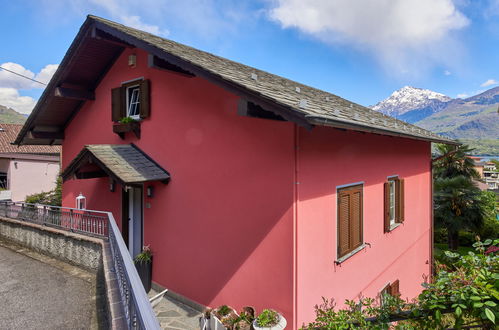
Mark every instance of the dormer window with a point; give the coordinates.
(133, 102)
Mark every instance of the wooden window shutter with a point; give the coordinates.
(343, 221)
(145, 105)
(400, 200)
(386, 208)
(117, 105)
(394, 289)
(355, 219)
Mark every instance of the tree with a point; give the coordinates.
(453, 161)
(458, 205)
(457, 199)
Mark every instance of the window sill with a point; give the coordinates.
(394, 226)
(350, 254)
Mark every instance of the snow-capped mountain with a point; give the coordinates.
(412, 104)
(474, 120)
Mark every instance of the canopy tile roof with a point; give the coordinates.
(125, 163)
(103, 40)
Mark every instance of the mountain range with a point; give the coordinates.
(473, 120)
(11, 116)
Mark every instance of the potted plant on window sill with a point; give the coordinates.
(269, 320)
(125, 125)
(143, 263)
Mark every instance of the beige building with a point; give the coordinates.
(25, 170)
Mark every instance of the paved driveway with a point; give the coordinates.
(37, 295)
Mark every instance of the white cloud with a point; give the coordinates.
(121, 11)
(404, 35)
(9, 79)
(462, 96)
(10, 97)
(46, 73)
(136, 22)
(12, 84)
(489, 82)
(447, 73)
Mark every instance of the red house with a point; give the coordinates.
(251, 189)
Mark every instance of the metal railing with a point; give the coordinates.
(91, 223)
(137, 309)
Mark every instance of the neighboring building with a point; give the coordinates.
(25, 170)
(491, 175)
(250, 189)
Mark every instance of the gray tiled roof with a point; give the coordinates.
(126, 162)
(318, 107)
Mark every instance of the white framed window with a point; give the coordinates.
(133, 101)
(393, 203)
(392, 207)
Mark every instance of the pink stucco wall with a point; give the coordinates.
(227, 229)
(403, 254)
(28, 177)
(221, 230)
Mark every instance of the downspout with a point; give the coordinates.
(295, 224)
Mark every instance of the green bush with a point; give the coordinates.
(53, 197)
(440, 235)
(267, 318)
(467, 238)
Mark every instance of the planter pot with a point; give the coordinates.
(145, 273)
(121, 129)
(279, 326)
(216, 324)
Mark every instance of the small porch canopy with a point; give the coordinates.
(123, 163)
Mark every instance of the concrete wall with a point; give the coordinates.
(79, 250)
(28, 177)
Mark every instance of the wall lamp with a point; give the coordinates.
(150, 191)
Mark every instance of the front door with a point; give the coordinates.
(133, 220)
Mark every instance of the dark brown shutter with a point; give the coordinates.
(385, 290)
(117, 105)
(386, 208)
(400, 201)
(394, 289)
(355, 219)
(145, 105)
(343, 221)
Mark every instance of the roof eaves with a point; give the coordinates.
(55, 80)
(333, 122)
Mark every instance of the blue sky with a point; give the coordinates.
(361, 50)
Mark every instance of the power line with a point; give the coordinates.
(20, 75)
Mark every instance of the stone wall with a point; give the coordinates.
(76, 249)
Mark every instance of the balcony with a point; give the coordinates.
(90, 239)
